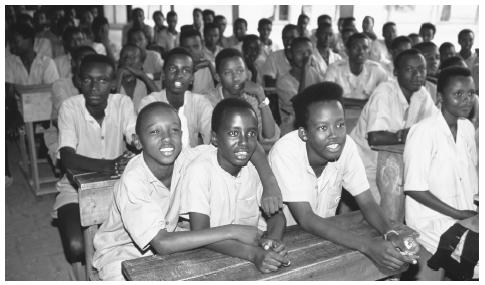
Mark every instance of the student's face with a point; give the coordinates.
(288, 37)
(139, 17)
(87, 17)
(197, 16)
(131, 57)
(161, 137)
(346, 35)
(158, 19)
(178, 73)
(265, 31)
(20, 45)
(77, 40)
(427, 35)
(458, 96)
(139, 39)
(367, 24)
(301, 53)
(447, 53)
(400, 48)
(325, 133)
(411, 73)
(233, 75)
(359, 51)
(76, 63)
(172, 22)
(252, 50)
(432, 57)
(321, 21)
(240, 30)
(303, 24)
(222, 24)
(96, 82)
(207, 19)
(325, 37)
(212, 37)
(415, 40)
(194, 46)
(466, 41)
(236, 139)
(390, 32)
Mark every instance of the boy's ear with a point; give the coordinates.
(214, 138)
(302, 134)
(136, 141)
(217, 77)
(439, 98)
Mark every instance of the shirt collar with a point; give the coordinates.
(88, 116)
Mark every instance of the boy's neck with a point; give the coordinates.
(162, 172)
(356, 68)
(266, 42)
(465, 53)
(212, 48)
(407, 94)
(451, 121)
(172, 30)
(176, 100)
(317, 163)
(97, 112)
(227, 94)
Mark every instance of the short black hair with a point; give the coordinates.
(196, 10)
(300, 40)
(452, 61)
(323, 26)
(69, 33)
(288, 27)
(408, 52)
(24, 18)
(348, 21)
(355, 37)
(446, 74)
(225, 54)
(219, 18)
(445, 45)
(133, 12)
(424, 45)
(427, 26)
(98, 23)
(302, 17)
(174, 52)
(247, 40)
(77, 52)
(320, 92)
(241, 20)
(97, 58)
(264, 21)
(387, 24)
(145, 111)
(210, 26)
(156, 13)
(370, 17)
(188, 31)
(226, 107)
(131, 45)
(209, 12)
(133, 31)
(396, 42)
(171, 14)
(463, 32)
(24, 30)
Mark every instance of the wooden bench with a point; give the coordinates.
(312, 258)
(390, 172)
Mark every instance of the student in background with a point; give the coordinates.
(380, 49)
(392, 109)
(264, 29)
(143, 218)
(101, 42)
(302, 24)
(41, 45)
(440, 170)
(398, 45)
(221, 22)
(85, 22)
(325, 159)
(322, 52)
(432, 56)
(137, 22)
(160, 32)
(208, 16)
(466, 38)
(254, 60)
(427, 31)
(221, 187)
(198, 21)
(446, 51)
(344, 35)
(211, 39)
(72, 38)
(153, 62)
(415, 38)
(171, 31)
(239, 29)
(368, 27)
(347, 29)
(320, 20)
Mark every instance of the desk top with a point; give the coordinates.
(312, 258)
(395, 148)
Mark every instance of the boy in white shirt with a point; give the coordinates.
(312, 164)
(72, 38)
(222, 187)
(380, 49)
(323, 50)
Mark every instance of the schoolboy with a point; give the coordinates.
(153, 63)
(137, 22)
(380, 49)
(265, 26)
(239, 29)
(221, 22)
(222, 187)
(72, 38)
(358, 76)
(393, 107)
(323, 50)
(91, 130)
(398, 45)
(211, 39)
(446, 51)
(253, 57)
(466, 38)
(427, 31)
(432, 56)
(441, 167)
(313, 163)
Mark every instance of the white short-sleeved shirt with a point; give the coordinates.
(62, 89)
(142, 206)
(208, 189)
(43, 46)
(332, 57)
(432, 90)
(379, 51)
(297, 180)
(434, 162)
(203, 81)
(266, 50)
(80, 131)
(139, 93)
(276, 64)
(153, 62)
(63, 64)
(360, 86)
(42, 71)
(388, 110)
(195, 115)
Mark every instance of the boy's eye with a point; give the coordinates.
(171, 69)
(251, 134)
(226, 73)
(187, 70)
(341, 125)
(175, 131)
(154, 132)
(233, 133)
(322, 128)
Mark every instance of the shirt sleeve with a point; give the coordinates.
(205, 118)
(379, 112)
(142, 216)
(354, 176)
(50, 72)
(67, 126)
(417, 159)
(129, 118)
(195, 189)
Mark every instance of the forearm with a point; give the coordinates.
(431, 201)
(302, 80)
(375, 217)
(268, 123)
(382, 138)
(268, 180)
(276, 226)
(74, 161)
(235, 249)
(150, 84)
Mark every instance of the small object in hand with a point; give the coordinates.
(412, 247)
(287, 264)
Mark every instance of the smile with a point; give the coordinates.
(177, 84)
(242, 155)
(333, 147)
(167, 150)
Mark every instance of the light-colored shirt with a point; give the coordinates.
(42, 71)
(297, 180)
(471, 60)
(80, 131)
(63, 64)
(203, 81)
(146, 28)
(139, 92)
(208, 189)
(153, 62)
(379, 51)
(43, 46)
(434, 162)
(99, 48)
(195, 115)
(432, 90)
(276, 64)
(332, 57)
(62, 89)
(208, 54)
(163, 38)
(356, 86)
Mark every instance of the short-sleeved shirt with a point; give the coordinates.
(356, 86)
(195, 115)
(62, 89)
(434, 162)
(388, 110)
(80, 131)
(266, 50)
(297, 180)
(139, 93)
(379, 51)
(203, 81)
(42, 71)
(153, 62)
(208, 189)
(211, 55)
(276, 64)
(142, 206)
(332, 57)
(163, 38)
(63, 64)
(470, 61)
(43, 46)
(432, 90)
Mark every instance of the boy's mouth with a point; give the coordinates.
(178, 84)
(335, 147)
(241, 155)
(167, 150)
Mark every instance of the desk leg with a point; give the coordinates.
(34, 173)
(23, 151)
(89, 233)
(390, 171)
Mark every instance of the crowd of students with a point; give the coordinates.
(191, 105)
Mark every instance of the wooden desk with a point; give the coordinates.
(390, 172)
(312, 258)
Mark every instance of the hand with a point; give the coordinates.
(464, 214)
(254, 90)
(271, 200)
(402, 134)
(274, 245)
(202, 63)
(135, 71)
(269, 261)
(407, 246)
(385, 255)
(246, 234)
(120, 162)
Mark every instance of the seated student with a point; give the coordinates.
(208, 16)
(358, 76)
(392, 109)
(143, 217)
(130, 78)
(198, 23)
(313, 163)
(43, 30)
(42, 45)
(239, 31)
(137, 22)
(278, 62)
(368, 27)
(232, 73)
(85, 22)
(153, 63)
(221, 187)
(466, 38)
(264, 29)
(161, 36)
(302, 24)
(253, 58)
(101, 41)
(221, 22)
(304, 72)
(441, 168)
(380, 49)
(427, 31)
(325, 19)
(446, 50)
(211, 39)
(323, 50)
(204, 71)
(91, 130)
(432, 56)
(398, 45)
(173, 34)
(72, 38)
(344, 36)
(194, 110)
(415, 39)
